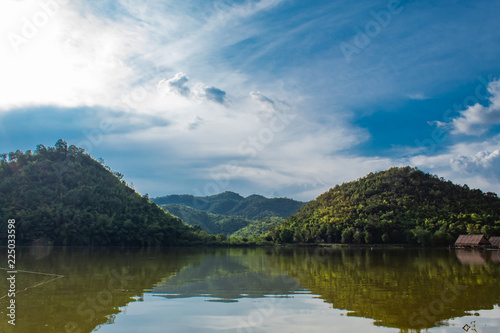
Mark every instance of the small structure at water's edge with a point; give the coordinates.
(472, 241)
(495, 241)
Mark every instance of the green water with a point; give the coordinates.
(252, 290)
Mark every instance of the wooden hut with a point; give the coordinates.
(472, 241)
(495, 241)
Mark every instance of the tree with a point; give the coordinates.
(61, 145)
(40, 149)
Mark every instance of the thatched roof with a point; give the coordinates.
(495, 241)
(471, 240)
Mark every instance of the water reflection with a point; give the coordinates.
(405, 289)
(254, 290)
(96, 284)
(477, 257)
(228, 275)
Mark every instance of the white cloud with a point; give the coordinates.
(476, 164)
(477, 118)
(71, 54)
(68, 60)
(177, 84)
(485, 163)
(272, 150)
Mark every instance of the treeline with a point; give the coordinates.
(397, 206)
(62, 195)
(253, 207)
(228, 214)
(211, 223)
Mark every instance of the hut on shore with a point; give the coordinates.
(472, 241)
(495, 241)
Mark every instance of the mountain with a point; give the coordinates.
(400, 205)
(254, 207)
(229, 213)
(258, 228)
(211, 223)
(63, 196)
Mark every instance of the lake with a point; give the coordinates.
(277, 290)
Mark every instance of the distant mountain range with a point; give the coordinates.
(229, 213)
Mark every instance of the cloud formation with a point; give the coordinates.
(267, 103)
(216, 95)
(484, 163)
(261, 77)
(177, 84)
(477, 118)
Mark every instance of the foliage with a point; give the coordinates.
(256, 228)
(400, 205)
(214, 224)
(254, 207)
(65, 196)
(229, 213)
(211, 223)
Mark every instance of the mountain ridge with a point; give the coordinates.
(229, 212)
(233, 204)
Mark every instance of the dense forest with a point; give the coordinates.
(397, 206)
(229, 213)
(253, 207)
(211, 223)
(63, 196)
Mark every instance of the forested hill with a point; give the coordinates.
(254, 207)
(63, 195)
(400, 205)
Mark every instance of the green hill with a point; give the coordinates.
(211, 223)
(228, 225)
(400, 205)
(62, 195)
(254, 207)
(229, 213)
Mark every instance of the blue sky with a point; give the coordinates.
(275, 97)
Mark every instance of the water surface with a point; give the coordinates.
(253, 290)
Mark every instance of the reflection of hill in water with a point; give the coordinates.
(406, 289)
(402, 289)
(96, 284)
(228, 275)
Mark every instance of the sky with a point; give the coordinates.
(283, 98)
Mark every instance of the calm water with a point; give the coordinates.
(253, 290)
